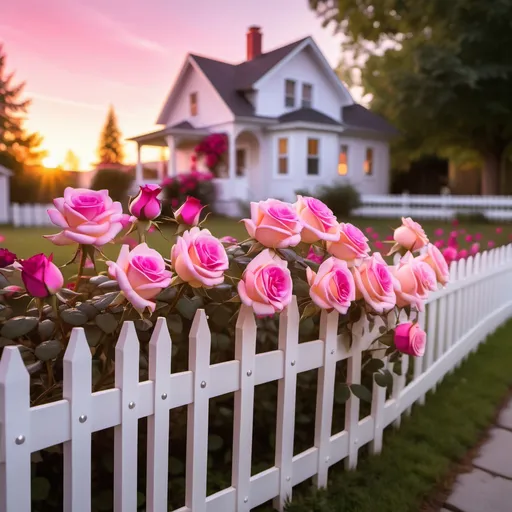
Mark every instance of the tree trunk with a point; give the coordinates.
(491, 175)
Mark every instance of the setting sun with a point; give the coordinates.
(50, 162)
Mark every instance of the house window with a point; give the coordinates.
(193, 104)
(368, 162)
(289, 93)
(312, 157)
(307, 95)
(241, 161)
(283, 156)
(343, 160)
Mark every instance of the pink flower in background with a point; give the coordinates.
(126, 220)
(439, 232)
(439, 243)
(499, 230)
(475, 249)
(478, 236)
(189, 212)
(130, 242)
(469, 238)
(454, 234)
(314, 256)
(319, 223)
(379, 245)
(410, 339)
(455, 222)
(375, 236)
(87, 217)
(199, 258)
(410, 235)
(462, 255)
(146, 205)
(491, 244)
(452, 242)
(41, 276)
(369, 229)
(462, 231)
(332, 287)
(351, 246)
(274, 224)
(389, 238)
(141, 275)
(174, 203)
(435, 259)
(2, 239)
(450, 254)
(266, 284)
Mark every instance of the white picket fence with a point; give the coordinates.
(29, 215)
(434, 207)
(457, 319)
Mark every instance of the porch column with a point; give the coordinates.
(139, 175)
(231, 155)
(171, 164)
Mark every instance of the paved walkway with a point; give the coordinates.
(488, 486)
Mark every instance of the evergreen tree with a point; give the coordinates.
(71, 161)
(110, 149)
(17, 147)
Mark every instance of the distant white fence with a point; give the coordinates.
(28, 215)
(434, 207)
(457, 319)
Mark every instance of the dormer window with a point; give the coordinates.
(307, 95)
(193, 104)
(289, 93)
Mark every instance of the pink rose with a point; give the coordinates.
(478, 236)
(228, 240)
(439, 243)
(410, 235)
(189, 212)
(199, 258)
(266, 284)
(375, 236)
(379, 245)
(318, 220)
(146, 205)
(40, 276)
(375, 283)
(450, 254)
(352, 244)
(435, 259)
(369, 229)
(141, 275)
(274, 224)
(87, 217)
(475, 249)
(490, 244)
(462, 255)
(333, 286)
(499, 230)
(6, 258)
(314, 256)
(126, 220)
(410, 339)
(414, 279)
(469, 238)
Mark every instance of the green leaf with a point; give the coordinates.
(310, 310)
(382, 329)
(167, 295)
(215, 442)
(219, 315)
(355, 314)
(175, 323)
(93, 335)
(18, 326)
(45, 329)
(74, 316)
(109, 285)
(288, 254)
(221, 293)
(88, 309)
(384, 379)
(223, 341)
(187, 307)
(361, 392)
(300, 288)
(176, 467)
(143, 324)
(341, 393)
(141, 499)
(97, 280)
(48, 350)
(40, 488)
(105, 301)
(107, 322)
(103, 500)
(4, 342)
(374, 365)
(397, 367)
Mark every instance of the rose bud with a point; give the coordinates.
(410, 339)
(6, 258)
(41, 276)
(410, 235)
(189, 212)
(146, 205)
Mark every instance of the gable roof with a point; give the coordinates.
(308, 115)
(357, 117)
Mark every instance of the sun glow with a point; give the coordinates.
(50, 162)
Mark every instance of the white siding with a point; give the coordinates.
(211, 108)
(303, 68)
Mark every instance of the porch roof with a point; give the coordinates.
(157, 138)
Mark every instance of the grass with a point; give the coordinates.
(420, 456)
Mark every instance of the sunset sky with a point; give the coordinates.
(78, 56)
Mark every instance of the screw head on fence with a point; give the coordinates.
(332, 352)
(20, 439)
(131, 405)
(203, 384)
(249, 373)
(82, 418)
(288, 478)
(293, 363)
(164, 396)
(246, 499)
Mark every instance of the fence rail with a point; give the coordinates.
(434, 207)
(28, 215)
(457, 319)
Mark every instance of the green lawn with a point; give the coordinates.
(417, 459)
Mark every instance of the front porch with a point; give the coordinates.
(235, 177)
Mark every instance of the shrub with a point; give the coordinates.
(472, 217)
(341, 199)
(117, 182)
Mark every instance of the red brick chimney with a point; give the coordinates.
(254, 39)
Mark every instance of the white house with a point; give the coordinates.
(291, 124)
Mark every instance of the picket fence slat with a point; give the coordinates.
(457, 319)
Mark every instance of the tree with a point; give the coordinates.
(71, 161)
(440, 71)
(17, 147)
(110, 149)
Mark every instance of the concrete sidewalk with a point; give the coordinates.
(488, 486)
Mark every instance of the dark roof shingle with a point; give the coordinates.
(360, 118)
(308, 115)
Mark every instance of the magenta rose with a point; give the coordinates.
(314, 256)
(266, 284)
(351, 246)
(332, 287)
(146, 205)
(375, 284)
(41, 276)
(199, 258)
(410, 339)
(141, 275)
(6, 258)
(410, 235)
(274, 224)
(450, 254)
(189, 212)
(87, 217)
(318, 220)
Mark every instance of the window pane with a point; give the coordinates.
(368, 163)
(289, 94)
(343, 160)
(193, 104)
(312, 147)
(283, 146)
(283, 165)
(313, 166)
(306, 91)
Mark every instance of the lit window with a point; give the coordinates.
(312, 157)
(343, 160)
(283, 156)
(368, 163)
(193, 104)
(307, 95)
(289, 93)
